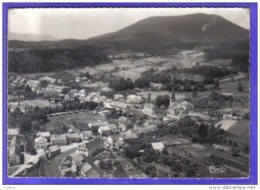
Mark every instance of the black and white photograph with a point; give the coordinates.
(128, 93)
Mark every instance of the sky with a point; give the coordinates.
(84, 23)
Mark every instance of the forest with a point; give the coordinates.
(53, 60)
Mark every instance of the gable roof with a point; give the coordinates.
(73, 135)
(16, 140)
(104, 128)
(79, 159)
(87, 133)
(93, 144)
(86, 167)
(58, 137)
(15, 150)
(115, 137)
(128, 135)
(157, 145)
(13, 132)
(54, 148)
(44, 134)
(40, 139)
(98, 123)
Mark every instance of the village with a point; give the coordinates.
(86, 127)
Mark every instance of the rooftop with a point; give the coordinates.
(92, 144)
(54, 148)
(105, 128)
(13, 132)
(157, 145)
(44, 134)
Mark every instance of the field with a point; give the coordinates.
(55, 123)
(154, 94)
(93, 85)
(232, 86)
(220, 62)
(225, 124)
(240, 129)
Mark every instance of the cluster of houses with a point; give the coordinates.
(77, 165)
(15, 147)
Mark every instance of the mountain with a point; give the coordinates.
(158, 33)
(176, 31)
(30, 37)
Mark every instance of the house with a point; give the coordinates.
(73, 92)
(78, 79)
(59, 139)
(144, 130)
(12, 133)
(158, 146)
(113, 127)
(91, 148)
(15, 98)
(57, 88)
(119, 105)
(97, 124)
(148, 109)
(106, 89)
(156, 86)
(82, 93)
(17, 140)
(40, 142)
(77, 161)
(22, 81)
(73, 138)
(122, 127)
(48, 79)
(115, 141)
(16, 151)
(134, 99)
(175, 110)
(119, 97)
(60, 89)
(87, 171)
(128, 136)
(40, 90)
(187, 106)
(86, 135)
(122, 119)
(53, 151)
(15, 156)
(46, 135)
(227, 116)
(33, 84)
(241, 96)
(187, 52)
(104, 130)
(66, 166)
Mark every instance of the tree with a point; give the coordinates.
(240, 88)
(194, 94)
(149, 96)
(216, 84)
(173, 96)
(163, 101)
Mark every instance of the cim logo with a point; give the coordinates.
(218, 169)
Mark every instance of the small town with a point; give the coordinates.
(160, 96)
(84, 125)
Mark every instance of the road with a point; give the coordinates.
(55, 163)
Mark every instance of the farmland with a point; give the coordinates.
(232, 86)
(56, 122)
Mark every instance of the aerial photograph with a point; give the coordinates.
(128, 93)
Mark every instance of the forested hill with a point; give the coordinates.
(52, 60)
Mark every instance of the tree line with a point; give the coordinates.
(53, 60)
